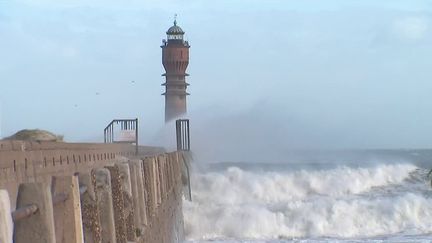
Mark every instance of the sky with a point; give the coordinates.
(304, 73)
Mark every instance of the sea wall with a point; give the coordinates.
(5, 218)
(64, 192)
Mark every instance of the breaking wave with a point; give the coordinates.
(343, 202)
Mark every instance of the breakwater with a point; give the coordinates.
(62, 192)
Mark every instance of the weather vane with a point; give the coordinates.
(175, 19)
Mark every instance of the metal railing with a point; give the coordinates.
(183, 144)
(183, 135)
(123, 125)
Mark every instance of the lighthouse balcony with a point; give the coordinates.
(175, 83)
(176, 92)
(175, 42)
(174, 74)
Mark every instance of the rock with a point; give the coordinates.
(35, 135)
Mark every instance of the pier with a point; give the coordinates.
(95, 193)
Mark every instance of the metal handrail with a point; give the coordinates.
(119, 120)
(183, 134)
(125, 123)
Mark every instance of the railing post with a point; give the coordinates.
(188, 136)
(183, 135)
(178, 134)
(136, 136)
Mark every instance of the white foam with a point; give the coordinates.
(6, 225)
(239, 186)
(332, 203)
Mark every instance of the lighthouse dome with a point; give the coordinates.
(175, 30)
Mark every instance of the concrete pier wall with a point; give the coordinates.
(94, 188)
(6, 224)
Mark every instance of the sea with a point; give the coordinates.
(313, 196)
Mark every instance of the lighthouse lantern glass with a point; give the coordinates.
(175, 37)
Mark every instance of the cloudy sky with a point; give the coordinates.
(333, 73)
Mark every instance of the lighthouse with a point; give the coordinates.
(175, 59)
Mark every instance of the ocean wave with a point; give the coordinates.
(236, 203)
(240, 186)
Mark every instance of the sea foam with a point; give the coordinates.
(341, 202)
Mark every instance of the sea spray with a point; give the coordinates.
(240, 185)
(347, 202)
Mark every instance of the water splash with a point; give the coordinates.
(345, 202)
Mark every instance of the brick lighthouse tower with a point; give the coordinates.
(175, 59)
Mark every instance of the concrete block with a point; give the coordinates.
(125, 177)
(133, 166)
(39, 227)
(151, 178)
(89, 209)
(6, 225)
(118, 204)
(105, 205)
(170, 172)
(67, 214)
(141, 191)
(148, 189)
(157, 179)
(161, 181)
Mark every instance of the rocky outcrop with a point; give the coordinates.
(35, 135)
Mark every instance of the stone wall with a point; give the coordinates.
(96, 192)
